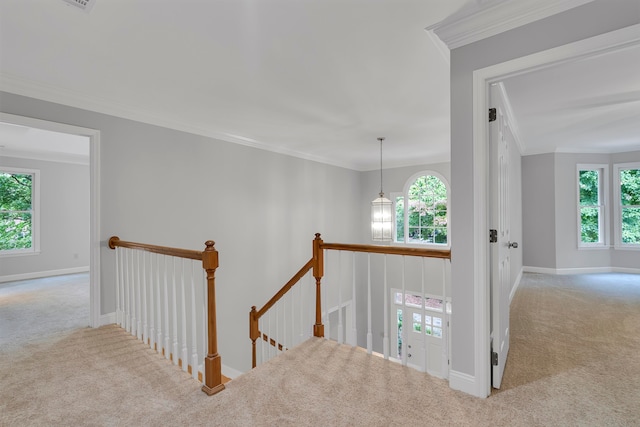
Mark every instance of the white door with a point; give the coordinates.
(500, 238)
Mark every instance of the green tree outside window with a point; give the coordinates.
(16, 211)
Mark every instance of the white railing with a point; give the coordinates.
(166, 298)
(394, 304)
(161, 300)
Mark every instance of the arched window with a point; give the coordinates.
(422, 210)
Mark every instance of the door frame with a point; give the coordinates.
(94, 196)
(605, 43)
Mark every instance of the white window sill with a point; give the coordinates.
(627, 247)
(9, 254)
(594, 247)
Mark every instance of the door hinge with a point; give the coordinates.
(493, 236)
(494, 358)
(492, 114)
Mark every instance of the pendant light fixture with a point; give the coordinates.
(381, 214)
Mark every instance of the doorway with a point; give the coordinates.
(94, 200)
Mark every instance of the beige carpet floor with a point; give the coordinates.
(580, 368)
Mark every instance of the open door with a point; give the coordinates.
(499, 236)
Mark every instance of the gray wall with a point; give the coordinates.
(539, 211)
(550, 213)
(64, 219)
(172, 188)
(592, 19)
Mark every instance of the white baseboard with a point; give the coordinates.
(230, 372)
(516, 285)
(580, 270)
(465, 383)
(40, 274)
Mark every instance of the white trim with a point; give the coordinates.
(480, 21)
(94, 167)
(580, 270)
(516, 285)
(617, 209)
(619, 39)
(230, 372)
(35, 213)
(463, 382)
(48, 156)
(40, 274)
(603, 196)
(19, 86)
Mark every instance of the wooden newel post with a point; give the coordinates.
(254, 334)
(318, 272)
(213, 362)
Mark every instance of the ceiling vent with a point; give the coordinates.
(85, 5)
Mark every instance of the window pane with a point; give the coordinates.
(400, 219)
(630, 187)
(427, 211)
(631, 225)
(589, 225)
(15, 230)
(589, 187)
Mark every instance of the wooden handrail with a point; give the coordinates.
(209, 257)
(255, 315)
(390, 250)
(162, 250)
(295, 279)
(317, 264)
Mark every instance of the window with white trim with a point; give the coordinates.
(627, 205)
(19, 213)
(422, 210)
(592, 206)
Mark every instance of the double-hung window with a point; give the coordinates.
(421, 211)
(19, 211)
(627, 205)
(592, 206)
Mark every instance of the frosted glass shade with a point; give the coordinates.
(381, 219)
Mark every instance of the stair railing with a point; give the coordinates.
(163, 301)
(306, 308)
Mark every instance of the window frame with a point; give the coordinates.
(405, 195)
(603, 216)
(35, 212)
(617, 207)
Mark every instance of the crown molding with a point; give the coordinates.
(484, 19)
(12, 84)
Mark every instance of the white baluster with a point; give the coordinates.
(385, 340)
(340, 325)
(354, 326)
(167, 316)
(194, 325)
(293, 322)
(325, 298)
(159, 313)
(268, 342)
(406, 321)
(445, 320)
(174, 304)
(424, 325)
(301, 336)
(260, 340)
(118, 284)
(183, 319)
(127, 260)
(132, 295)
(139, 298)
(152, 301)
(145, 311)
(203, 306)
(277, 338)
(369, 333)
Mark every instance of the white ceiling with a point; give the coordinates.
(316, 79)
